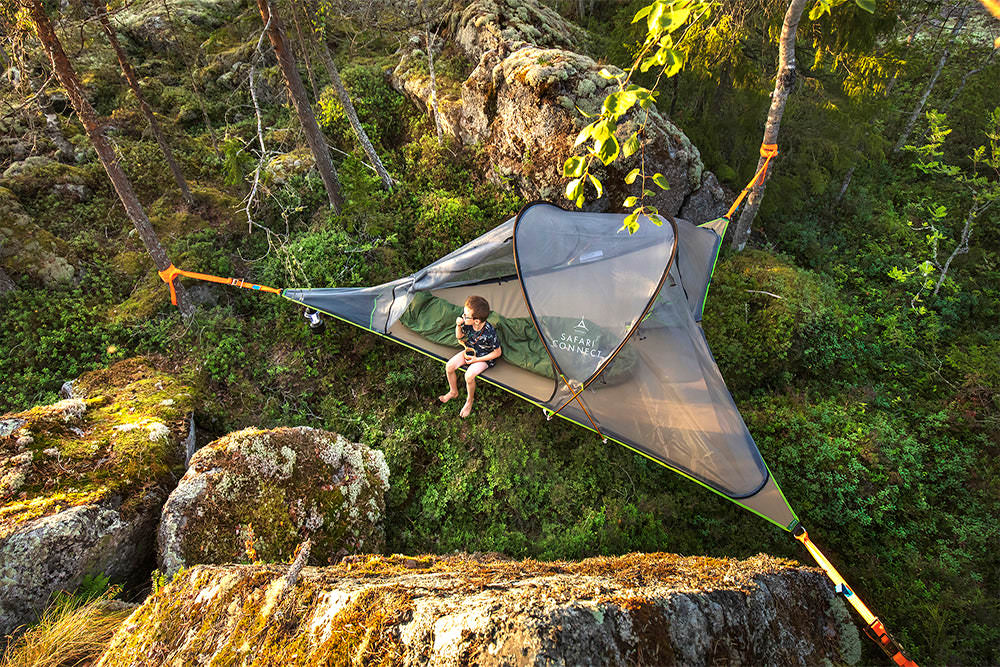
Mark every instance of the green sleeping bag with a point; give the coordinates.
(434, 318)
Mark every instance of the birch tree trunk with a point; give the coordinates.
(945, 55)
(133, 83)
(300, 100)
(352, 115)
(67, 76)
(434, 95)
(784, 81)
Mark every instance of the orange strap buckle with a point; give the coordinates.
(167, 275)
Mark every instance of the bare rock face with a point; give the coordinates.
(657, 609)
(254, 495)
(521, 100)
(82, 482)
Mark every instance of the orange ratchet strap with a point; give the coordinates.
(875, 630)
(169, 274)
(767, 151)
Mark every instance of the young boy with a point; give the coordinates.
(482, 348)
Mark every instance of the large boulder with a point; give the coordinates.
(522, 97)
(256, 494)
(82, 482)
(26, 248)
(655, 609)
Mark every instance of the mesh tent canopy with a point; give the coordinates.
(618, 316)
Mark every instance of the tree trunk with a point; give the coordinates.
(784, 81)
(434, 95)
(304, 44)
(844, 185)
(300, 100)
(965, 78)
(352, 115)
(6, 284)
(912, 120)
(147, 111)
(67, 76)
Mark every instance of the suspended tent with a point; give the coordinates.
(599, 327)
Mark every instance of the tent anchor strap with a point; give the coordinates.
(875, 629)
(169, 274)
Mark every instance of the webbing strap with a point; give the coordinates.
(875, 630)
(169, 274)
(767, 151)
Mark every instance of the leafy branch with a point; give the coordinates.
(659, 50)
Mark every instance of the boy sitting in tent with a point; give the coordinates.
(482, 349)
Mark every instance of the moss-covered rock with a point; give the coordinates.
(156, 26)
(26, 248)
(256, 494)
(82, 482)
(658, 609)
(522, 101)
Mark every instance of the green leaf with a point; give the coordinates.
(867, 5)
(630, 201)
(631, 145)
(631, 176)
(605, 74)
(597, 185)
(574, 166)
(574, 189)
(608, 150)
(630, 222)
(673, 61)
(641, 13)
(579, 201)
(602, 129)
(582, 137)
(661, 180)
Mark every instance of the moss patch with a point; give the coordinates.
(124, 435)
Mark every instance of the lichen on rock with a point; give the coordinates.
(486, 610)
(80, 494)
(262, 492)
(522, 103)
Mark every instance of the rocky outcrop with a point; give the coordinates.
(657, 609)
(157, 26)
(522, 101)
(254, 495)
(25, 248)
(82, 482)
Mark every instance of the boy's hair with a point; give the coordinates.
(479, 306)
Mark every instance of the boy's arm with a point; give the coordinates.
(458, 328)
(491, 356)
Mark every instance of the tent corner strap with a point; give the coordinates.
(766, 507)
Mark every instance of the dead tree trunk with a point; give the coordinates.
(434, 95)
(300, 100)
(352, 115)
(133, 83)
(783, 84)
(945, 55)
(67, 76)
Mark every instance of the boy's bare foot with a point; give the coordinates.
(466, 410)
(444, 398)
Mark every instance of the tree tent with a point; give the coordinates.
(597, 326)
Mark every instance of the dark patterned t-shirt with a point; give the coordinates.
(483, 341)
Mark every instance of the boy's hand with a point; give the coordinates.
(459, 320)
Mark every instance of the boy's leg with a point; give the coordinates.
(470, 384)
(450, 368)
